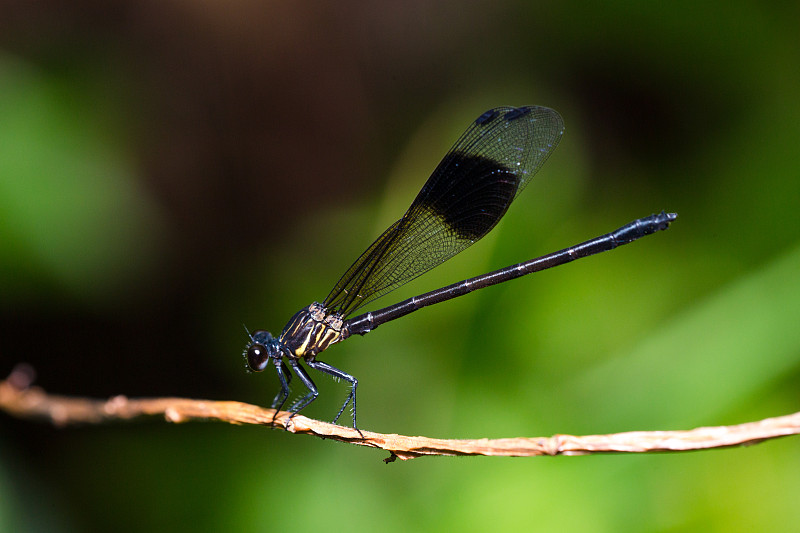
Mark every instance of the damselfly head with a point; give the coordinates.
(261, 348)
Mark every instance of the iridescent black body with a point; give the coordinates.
(465, 197)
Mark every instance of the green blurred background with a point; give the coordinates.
(172, 170)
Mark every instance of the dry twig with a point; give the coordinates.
(18, 398)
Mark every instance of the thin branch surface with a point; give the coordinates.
(19, 399)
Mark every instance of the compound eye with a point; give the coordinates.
(257, 357)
